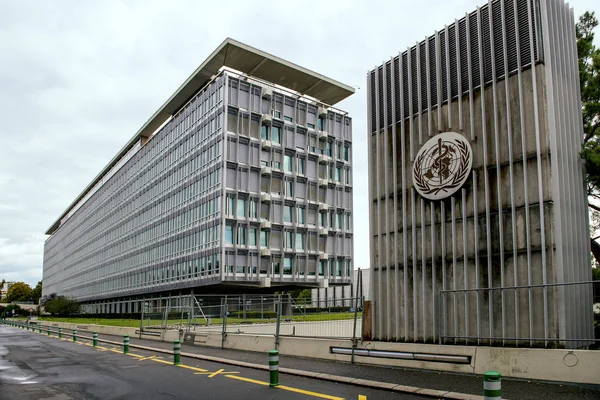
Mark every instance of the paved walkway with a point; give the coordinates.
(444, 381)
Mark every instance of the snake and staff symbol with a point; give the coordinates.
(442, 165)
(441, 162)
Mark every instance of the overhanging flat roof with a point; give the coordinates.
(243, 58)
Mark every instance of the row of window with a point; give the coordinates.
(331, 268)
(184, 271)
(106, 237)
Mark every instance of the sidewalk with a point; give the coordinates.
(449, 382)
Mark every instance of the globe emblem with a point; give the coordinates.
(442, 165)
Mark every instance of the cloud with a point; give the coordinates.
(80, 78)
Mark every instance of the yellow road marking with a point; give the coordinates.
(241, 378)
(192, 368)
(288, 388)
(309, 393)
(213, 374)
(161, 361)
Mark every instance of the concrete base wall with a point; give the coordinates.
(575, 366)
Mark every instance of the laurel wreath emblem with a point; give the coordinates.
(463, 170)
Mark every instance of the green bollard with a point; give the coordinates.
(273, 368)
(60, 333)
(48, 330)
(74, 335)
(125, 344)
(176, 352)
(40, 328)
(95, 339)
(492, 385)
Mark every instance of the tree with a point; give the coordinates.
(19, 291)
(12, 310)
(589, 76)
(36, 293)
(62, 306)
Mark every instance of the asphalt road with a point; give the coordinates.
(35, 366)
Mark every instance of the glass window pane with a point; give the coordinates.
(287, 163)
(276, 134)
(229, 234)
(287, 214)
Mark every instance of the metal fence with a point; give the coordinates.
(271, 315)
(530, 315)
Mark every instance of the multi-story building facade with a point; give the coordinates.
(242, 181)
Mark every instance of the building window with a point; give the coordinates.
(241, 207)
(264, 132)
(321, 124)
(264, 239)
(322, 266)
(346, 153)
(253, 208)
(338, 151)
(230, 206)
(300, 241)
(287, 214)
(287, 163)
(277, 114)
(323, 219)
(289, 188)
(276, 267)
(288, 240)
(348, 222)
(311, 126)
(328, 149)
(301, 166)
(339, 217)
(276, 134)
(347, 176)
(241, 235)
(301, 215)
(339, 269)
(252, 236)
(228, 234)
(288, 119)
(338, 174)
(287, 266)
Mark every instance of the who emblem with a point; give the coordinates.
(442, 165)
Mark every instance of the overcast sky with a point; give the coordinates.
(78, 79)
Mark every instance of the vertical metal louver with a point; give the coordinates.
(373, 104)
(388, 93)
(498, 57)
(380, 90)
(432, 70)
(464, 54)
(414, 72)
(444, 66)
(453, 63)
(397, 86)
(423, 73)
(475, 61)
(471, 31)
(405, 82)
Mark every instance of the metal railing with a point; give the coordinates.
(550, 315)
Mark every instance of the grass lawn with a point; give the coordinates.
(135, 323)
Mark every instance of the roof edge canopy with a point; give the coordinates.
(243, 58)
